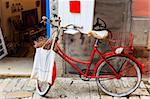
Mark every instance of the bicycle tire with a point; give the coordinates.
(42, 92)
(45, 90)
(115, 89)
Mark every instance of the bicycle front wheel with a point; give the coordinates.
(126, 84)
(43, 87)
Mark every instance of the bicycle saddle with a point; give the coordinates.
(98, 34)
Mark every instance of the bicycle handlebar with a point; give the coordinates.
(50, 21)
(44, 18)
(70, 26)
(73, 27)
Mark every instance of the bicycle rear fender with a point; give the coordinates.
(107, 55)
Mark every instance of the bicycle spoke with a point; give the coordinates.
(126, 70)
(106, 77)
(124, 66)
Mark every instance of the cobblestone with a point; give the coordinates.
(134, 97)
(142, 85)
(27, 98)
(120, 97)
(144, 97)
(149, 81)
(94, 91)
(19, 95)
(30, 85)
(147, 86)
(2, 95)
(106, 97)
(20, 84)
(24, 88)
(4, 84)
(11, 85)
(141, 92)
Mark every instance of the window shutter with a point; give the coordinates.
(3, 51)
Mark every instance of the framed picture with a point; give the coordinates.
(3, 50)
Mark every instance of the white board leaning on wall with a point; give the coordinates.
(3, 51)
(77, 12)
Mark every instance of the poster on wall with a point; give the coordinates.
(3, 50)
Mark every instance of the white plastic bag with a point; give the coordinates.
(43, 65)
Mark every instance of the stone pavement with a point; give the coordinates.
(24, 88)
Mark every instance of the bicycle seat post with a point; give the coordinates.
(96, 43)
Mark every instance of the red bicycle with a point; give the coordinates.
(117, 73)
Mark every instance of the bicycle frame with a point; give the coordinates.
(70, 61)
(103, 57)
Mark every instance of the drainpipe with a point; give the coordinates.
(48, 16)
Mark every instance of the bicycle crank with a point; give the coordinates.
(85, 78)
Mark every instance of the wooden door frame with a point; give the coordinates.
(43, 7)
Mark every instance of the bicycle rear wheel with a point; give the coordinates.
(130, 76)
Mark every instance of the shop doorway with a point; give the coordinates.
(20, 23)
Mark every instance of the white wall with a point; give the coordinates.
(84, 18)
(6, 12)
(0, 12)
